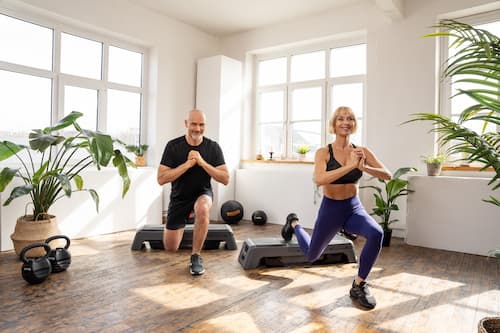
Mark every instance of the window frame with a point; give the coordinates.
(326, 85)
(60, 80)
(445, 84)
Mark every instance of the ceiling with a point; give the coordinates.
(225, 17)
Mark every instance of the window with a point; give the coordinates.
(47, 71)
(453, 107)
(297, 92)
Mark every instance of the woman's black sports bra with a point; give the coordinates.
(352, 177)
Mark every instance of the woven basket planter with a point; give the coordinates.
(29, 232)
(489, 325)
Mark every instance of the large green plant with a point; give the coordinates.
(476, 62)
(56, 173)
(386, 196)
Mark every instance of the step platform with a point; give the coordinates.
(153, 234)
(273, 252)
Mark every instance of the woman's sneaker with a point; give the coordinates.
(361, 293)
(287, 230)
(196, 266)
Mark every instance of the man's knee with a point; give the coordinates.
(172, 239)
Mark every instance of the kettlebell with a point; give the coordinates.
(35, 270)
(59, 258)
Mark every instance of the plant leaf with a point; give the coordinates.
(18, 192)
(8, 149)
(6, 177)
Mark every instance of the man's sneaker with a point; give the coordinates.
(196, 266)
(362, 294)
(287, 230)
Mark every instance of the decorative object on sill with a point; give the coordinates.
(475, 62)
(434, 164)
(271, 155)
(51, 168)
(259, 157)
(385, 199)
(139, 151)
(302, 150)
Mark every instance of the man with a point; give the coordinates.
(189, 162)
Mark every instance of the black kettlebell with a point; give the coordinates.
(35, 270)
(59, 258)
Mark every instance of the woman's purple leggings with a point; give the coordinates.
(332, 216)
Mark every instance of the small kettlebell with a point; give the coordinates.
(59, 258)
(35, 270)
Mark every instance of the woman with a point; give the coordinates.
(338, 168)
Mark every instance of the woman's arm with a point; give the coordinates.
(371, 165)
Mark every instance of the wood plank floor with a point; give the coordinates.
(110, 288)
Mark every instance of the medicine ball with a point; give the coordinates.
(259, 217)
(231, 211)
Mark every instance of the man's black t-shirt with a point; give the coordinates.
(195, 180)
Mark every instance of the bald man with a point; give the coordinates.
(189, 162)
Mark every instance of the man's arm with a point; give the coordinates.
(219, 173)
(167, 174)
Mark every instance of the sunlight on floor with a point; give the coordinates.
(242, 283)
(185, 294)
(412, 284)
(239, 322)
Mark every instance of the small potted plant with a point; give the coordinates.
(302, 150)
(385, 200)
(434, 164)
(139, 151)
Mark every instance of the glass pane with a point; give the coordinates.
(349, 60)
(124, 115)
(25, 104)
(84, 101)
(306, 133)
(80, 56)
(271, 106)
(271, 140)
(25, 43)
(350, 95)
(272, 71)
(308, 66)
(125, 66)
(306, 103)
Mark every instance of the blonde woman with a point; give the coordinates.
(338, 168)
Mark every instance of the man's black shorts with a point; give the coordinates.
(179, 210)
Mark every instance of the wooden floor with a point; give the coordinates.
(110, 288)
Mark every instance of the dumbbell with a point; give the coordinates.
(60, 258)
(36, 270)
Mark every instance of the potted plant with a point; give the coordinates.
(434, 164)
(385, 199)
(51, 168)
(139, 151)
(302, 150)
(477, 63)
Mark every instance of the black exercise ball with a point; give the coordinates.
(259, 217)
(231, 211)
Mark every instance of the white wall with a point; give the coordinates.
(77, 216)
(448, 213)
(401, 72)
